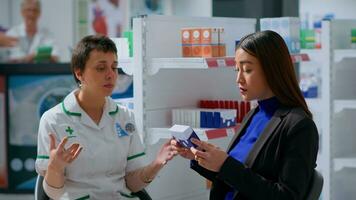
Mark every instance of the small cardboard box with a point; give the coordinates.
(183, 134)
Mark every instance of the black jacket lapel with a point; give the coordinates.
(267, 132)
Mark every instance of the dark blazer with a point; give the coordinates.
(280, 164)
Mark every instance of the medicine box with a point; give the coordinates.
(183, 134)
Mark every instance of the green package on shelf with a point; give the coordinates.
(353, 35)
(43, 54)
(307, 39)
(129, 36)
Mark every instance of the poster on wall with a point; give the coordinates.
(146, 7)
(3, 163)
(106, 17)
(29, 97)
(123, 92)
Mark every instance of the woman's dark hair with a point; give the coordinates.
(86, 45)
(272, 52)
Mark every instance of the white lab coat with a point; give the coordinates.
(25, 47)
(110, 149)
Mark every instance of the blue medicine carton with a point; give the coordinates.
(183, 134)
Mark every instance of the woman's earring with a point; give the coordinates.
(80, 85)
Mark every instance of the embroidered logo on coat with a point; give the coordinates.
(70, 131)
(130, 127)
(120, 132)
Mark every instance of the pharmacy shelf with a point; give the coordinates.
(315, 55)
(340, 163)
(300, 57)
(206, 63)
(126, 65)
(340, 105)
(340, 54)
(155, 134)
(190, 63)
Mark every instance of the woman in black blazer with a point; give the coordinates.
(273, 155)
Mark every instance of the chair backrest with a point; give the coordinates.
(39, 192)
(41, 195)
(316, 186)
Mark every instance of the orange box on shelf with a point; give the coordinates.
(209, 36)
(186, 35)
(221, 35)
(195, 36)
(187, 50)
(197, 50)
(222, 50)
(210, 50)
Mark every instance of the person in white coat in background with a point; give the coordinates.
(30, 35)
(88, 147)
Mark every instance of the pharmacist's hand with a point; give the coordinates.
(166, 153)
(184, 152)
(210, 156)
(59, 156)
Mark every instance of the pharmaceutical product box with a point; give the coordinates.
(183, 134)
(205, 118)
(186, 34)
(287, 27)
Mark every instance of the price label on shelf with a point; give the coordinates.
(221, 62)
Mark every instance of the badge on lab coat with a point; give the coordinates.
(120, 132)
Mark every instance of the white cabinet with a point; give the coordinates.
(336, 110)
(164, 81)
(343, 101)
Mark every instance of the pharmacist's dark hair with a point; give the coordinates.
(272, 52)
(82, 50)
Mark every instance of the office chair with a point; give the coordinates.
(41, 195)
(315, 186)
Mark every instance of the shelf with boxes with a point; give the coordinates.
(164, 81)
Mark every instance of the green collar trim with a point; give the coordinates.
(135, 156)
(127, 195)
(42, 157)
(115, 111)
(68, 112)
(82, 198)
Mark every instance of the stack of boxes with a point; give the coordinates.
(287, 27)
(203, 42)
(212, 114)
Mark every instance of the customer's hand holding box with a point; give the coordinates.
(183, 134)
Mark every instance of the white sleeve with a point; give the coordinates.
(136, 157)
(52, 192)
(43, 142)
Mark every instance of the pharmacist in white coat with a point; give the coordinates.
(88, 147)
(30, 36)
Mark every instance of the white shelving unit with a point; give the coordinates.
(341, 143)
(163, 80)
(319, 61)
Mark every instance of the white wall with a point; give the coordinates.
(343, 9)
(58, 17)
(4, 13)
(200, 8)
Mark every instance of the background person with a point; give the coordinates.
(30, 36)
